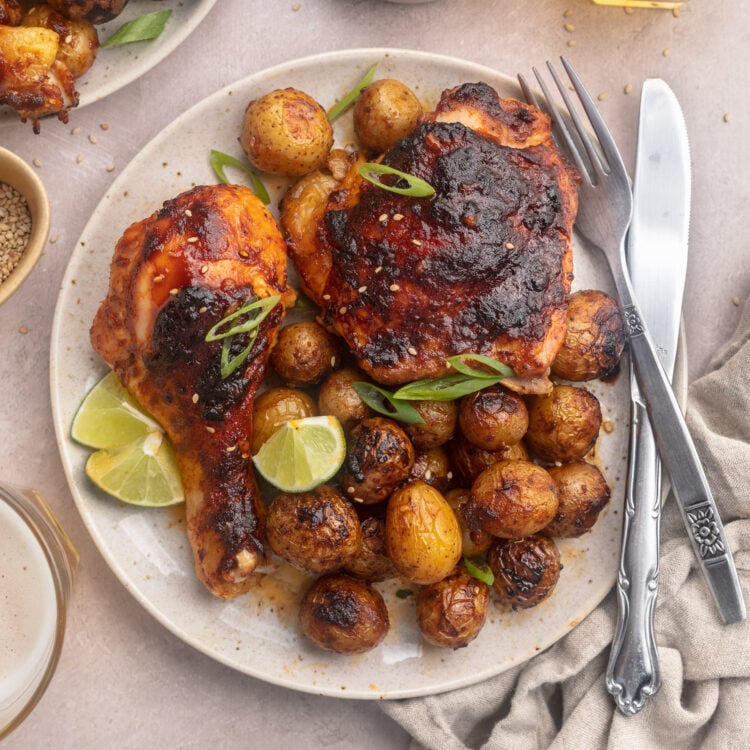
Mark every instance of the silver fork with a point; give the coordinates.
(603, 218)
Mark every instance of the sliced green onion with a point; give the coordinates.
(404, 593)
(481, 572)
(261, 307)
(418, 188)
(219, 160)
(350, 97)
(140, 29)
(383, 402)
(497, 367)
(446, 388)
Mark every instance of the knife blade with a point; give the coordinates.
(657, 264)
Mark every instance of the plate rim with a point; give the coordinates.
(62, 429)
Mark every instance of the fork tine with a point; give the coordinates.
(595, 159)
(573, 149)
(607, 142)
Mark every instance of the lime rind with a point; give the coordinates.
(302, 454)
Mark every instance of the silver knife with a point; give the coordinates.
(657, 263)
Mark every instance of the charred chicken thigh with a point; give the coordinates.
(484, 265)
(174, 276)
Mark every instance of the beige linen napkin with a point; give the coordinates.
(558, 699)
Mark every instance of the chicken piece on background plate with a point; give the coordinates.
(484, 265)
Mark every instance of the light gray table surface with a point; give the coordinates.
(123, 680)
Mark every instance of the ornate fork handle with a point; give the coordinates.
(633, 672)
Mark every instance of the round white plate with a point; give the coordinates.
(117, 67)
(257, 633)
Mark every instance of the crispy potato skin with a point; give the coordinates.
(433, 467)
(317, 531)
(440, 419)
(422, 533)
(276, 406)
(470, 461)
(337, 397)
(511, 499)
(343, 614)
(594, 338)
(379, 457)
(79, 41)
(493, 418)
(384, 113)
(451, 612)
(372, 562)
(526, 570)
(584, 493)
(471, 546)
(286, 132)
(305, 353)
(563, 425)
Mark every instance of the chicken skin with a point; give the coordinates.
(174, 276)
(484, 265)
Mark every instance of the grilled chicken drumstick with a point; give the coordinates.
(175, 276)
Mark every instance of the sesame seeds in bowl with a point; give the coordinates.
(24, 221)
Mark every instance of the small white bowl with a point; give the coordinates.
(15, 172)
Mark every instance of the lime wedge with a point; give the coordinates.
(143, 472)
(110, 417)
(302, 454)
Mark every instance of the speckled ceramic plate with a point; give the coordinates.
(117, 67)
(257, 633)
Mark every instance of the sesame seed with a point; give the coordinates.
(23, 329)
(92, 139)
(628, 11)
(326, 297)
(104, 125)
(195, 398)
(362, 289)
(231, 448)
(201, 310)
(243, 253)
(54, 238)
(378, 269)
(333, 361)
(75, 131)
(449, 475)
(727, 117)
(412, 351)
(342, 310)
(37, 163)
(428, 474)
(394, 287)
(68, 39)
(571, 42)
(110, 167)
(204, 268)
(188, 212)
(174, 291)
(398, 217)
(417, 243)
(676, 12)
(568, 13)
(628, 88)
(245, 455)
(350, 490)
(665, 51)
(383, 217)
(159, 277)
(210, 429)
(569, 27)
(736, 301)
(601, 96)
(509, 246)
(192, 240)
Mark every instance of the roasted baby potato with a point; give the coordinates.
(439, 423)
(470, 461)
(385, 112)
(526, 570)
(372, 562)
(379, 456)
(493, 418)
(451, 612)
(422, 534)
(511, 499)
(286, 132)
(343, 614)
(93, 11)
(564, 424)
(433, 467)
(315, 531)
(594, 338)
(584, 493)
(305, 353)
(337, 398)
(470, 547)
(274, 408)
(79, 41)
